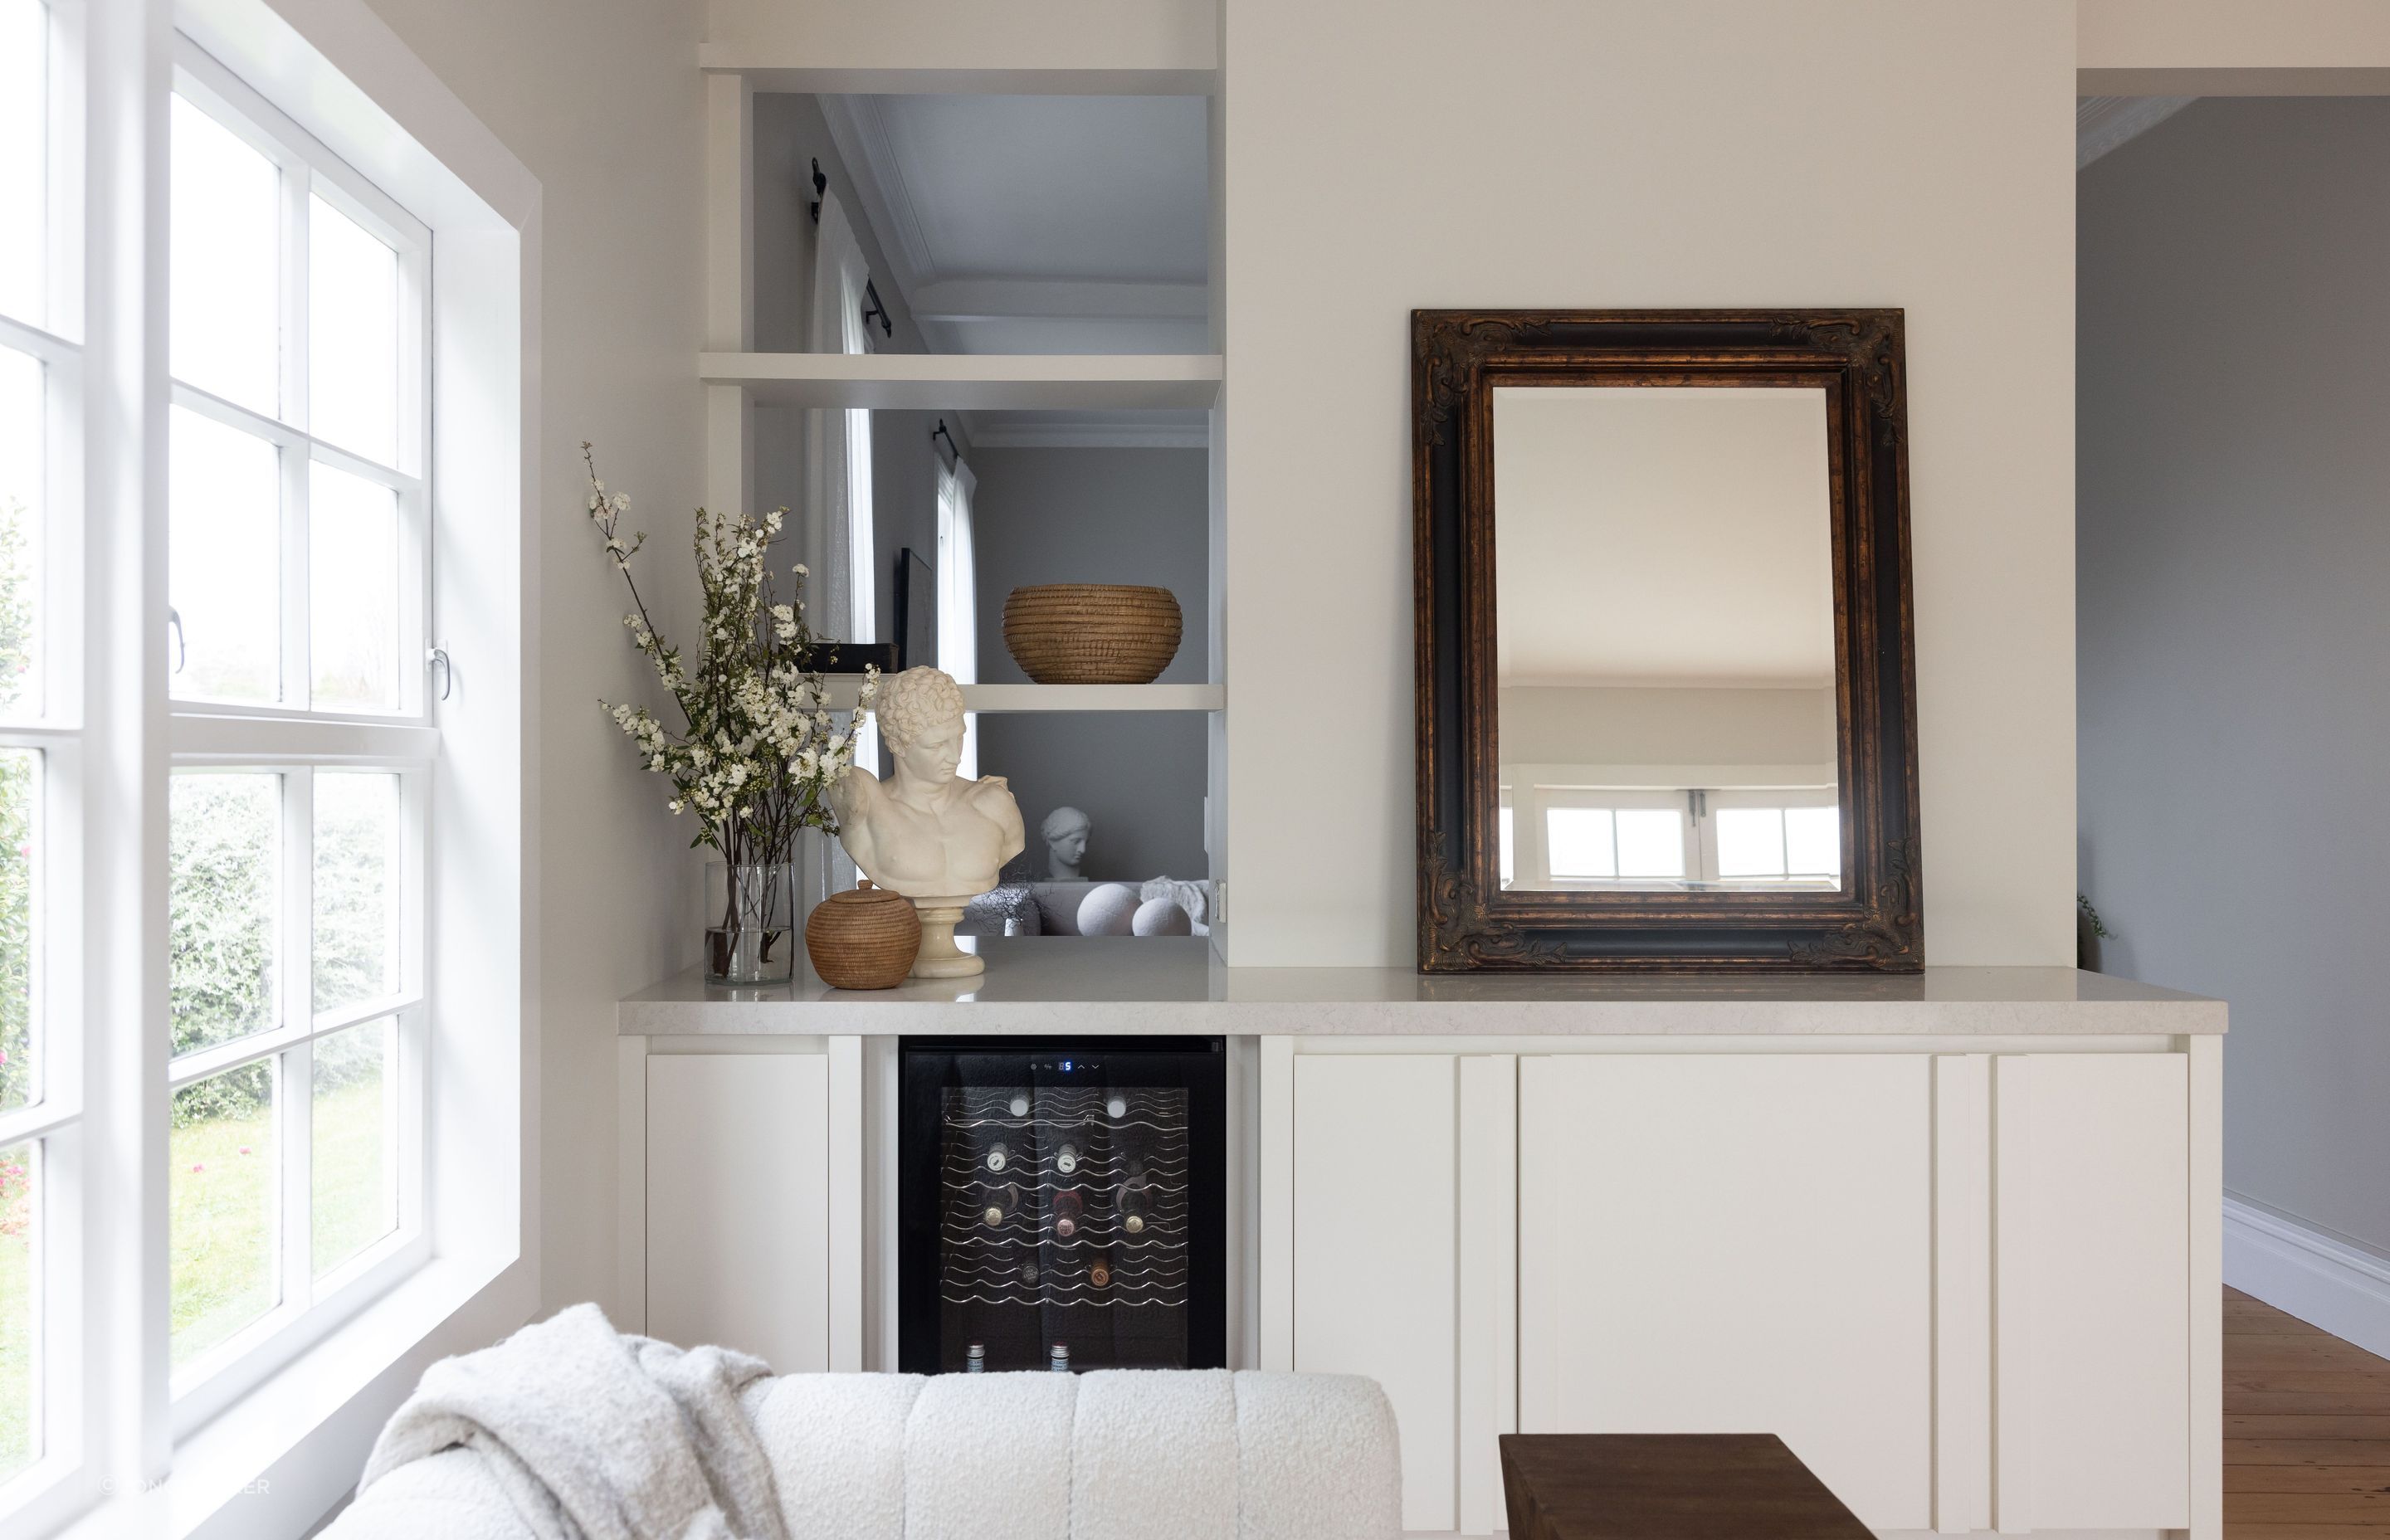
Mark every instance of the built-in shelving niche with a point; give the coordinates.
(1038, 302)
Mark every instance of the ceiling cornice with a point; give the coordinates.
(860, 132)
(2101, 124)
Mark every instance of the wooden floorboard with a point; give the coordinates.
(2307, 1429)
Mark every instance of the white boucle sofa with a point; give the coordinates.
(1206, 1455)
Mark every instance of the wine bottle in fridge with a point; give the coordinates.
(1065, 1213)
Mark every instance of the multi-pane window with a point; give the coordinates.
(40, 365)
(1595, 837)
(297, 546)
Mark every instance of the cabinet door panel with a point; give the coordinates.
(2094, 1323)
(1734, 1243)
(738, 1204)
(1374, 1247)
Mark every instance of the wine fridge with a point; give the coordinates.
(1060, 1204)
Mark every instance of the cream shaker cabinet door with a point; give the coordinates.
(1734, 1243)
(1375, 1244)
(2093, 1304)
(738, 1204)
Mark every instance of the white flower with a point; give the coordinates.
(800, 569)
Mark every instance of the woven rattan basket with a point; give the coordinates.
(1091, 633)
(866, 939)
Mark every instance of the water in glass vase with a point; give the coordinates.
(751, 932)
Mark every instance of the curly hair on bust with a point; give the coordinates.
(915, 702)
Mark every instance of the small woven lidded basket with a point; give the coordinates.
(1092, 632)
(866, 939)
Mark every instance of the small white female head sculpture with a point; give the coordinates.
(1065, 832)
(926, 832)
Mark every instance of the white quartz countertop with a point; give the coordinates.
(1124, 985)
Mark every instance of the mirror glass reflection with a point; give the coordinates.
(1665, 637)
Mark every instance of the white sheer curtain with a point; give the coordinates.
(837, 537)
(957, 595)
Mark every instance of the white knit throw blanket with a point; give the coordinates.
(597, 1435)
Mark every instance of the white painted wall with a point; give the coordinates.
(2234, 558)
(2233, 34)
(1596, 727)
(1388, 154)
(599, 97)
(967, 35)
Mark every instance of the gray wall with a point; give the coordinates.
(2234, 550)
(1099, 516)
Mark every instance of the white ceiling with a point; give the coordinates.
(1662, 537)
(1038, 224)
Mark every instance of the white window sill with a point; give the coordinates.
(277, 1459)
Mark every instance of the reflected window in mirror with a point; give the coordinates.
(1664, 637)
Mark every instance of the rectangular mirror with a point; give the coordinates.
(1665, 679)
(1664, 643)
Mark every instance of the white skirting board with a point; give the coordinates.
(2323, 1280)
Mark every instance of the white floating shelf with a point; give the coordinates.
(1063, 698)
(969, 381)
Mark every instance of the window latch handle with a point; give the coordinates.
(174, 619)
(437, 657)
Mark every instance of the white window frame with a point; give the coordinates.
(1532, 855)
(292, 741)
(283, 1436)
(56, 1119)
(1773, 797)
(310, 170)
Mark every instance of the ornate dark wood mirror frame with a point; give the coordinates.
(1467, 920)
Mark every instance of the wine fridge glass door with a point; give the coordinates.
(1074, 1207)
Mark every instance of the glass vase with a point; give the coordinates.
(751, 931)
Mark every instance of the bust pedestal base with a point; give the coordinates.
(939, 957)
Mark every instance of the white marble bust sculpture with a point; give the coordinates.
(926, 832)
(1065, 832)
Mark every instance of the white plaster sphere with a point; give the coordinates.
(1109, 910)
(1160, 916)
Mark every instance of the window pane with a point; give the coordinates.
(223, 560)
(20, 1307)
(1579, 841)
(1508, 848)
(224, 868)
(1650, 841)
(23, 469)
(224, 263)
(353, 589)
(356, 888)
(24, 156)
(222, 1197)
(356, 1179)
(20, 827)
(1813, 840)
(352, 335)
(1750, 841)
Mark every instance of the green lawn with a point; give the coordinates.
(221, 1240)
(222, 1251)
(220, 1224)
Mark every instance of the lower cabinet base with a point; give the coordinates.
(1972, 1284)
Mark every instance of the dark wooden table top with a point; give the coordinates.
(1666, 1486)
